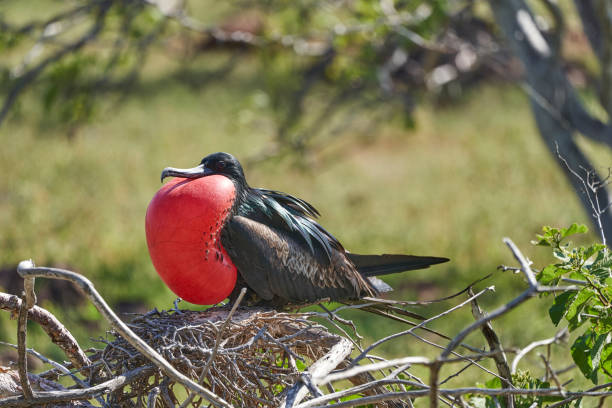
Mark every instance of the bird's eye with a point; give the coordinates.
(219, 166)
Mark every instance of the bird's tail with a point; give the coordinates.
(375, 265)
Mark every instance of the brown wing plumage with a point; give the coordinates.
(276, 265)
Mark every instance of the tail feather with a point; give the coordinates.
(374, 265)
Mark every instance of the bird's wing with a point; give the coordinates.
(277, 262)
(294, 215)
(374, 265)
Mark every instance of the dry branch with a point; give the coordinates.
(319, 369)
(258, 357)
(56, 331)
(494, 345)
(28, 270)
(54, 397)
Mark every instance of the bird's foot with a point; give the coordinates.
(176, 308)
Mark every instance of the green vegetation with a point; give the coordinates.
(523, 380)
(589, 268)
(587, 302)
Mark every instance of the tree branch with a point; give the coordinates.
(84, 285)
(54, 397)
(56, 331)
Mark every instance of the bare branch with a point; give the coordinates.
(21, 350)
(216, 347)
(317, 371)
(54, 329)
(550, 370)
(495, 345)
(54, 397)
(423, 323)
(532, 290)
(557, 337)
(577, 395)
(88, 289)
(461, 391)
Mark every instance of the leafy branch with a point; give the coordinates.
(588, 267)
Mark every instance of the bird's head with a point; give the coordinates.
(223, 164)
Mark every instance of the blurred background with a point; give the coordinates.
(429, 128)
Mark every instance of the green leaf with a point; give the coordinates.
(581, 353)
(493, 383)
(602, 274)
(549, 237)
(577, 275)
(301, 366)
(560, 306)
(561, 254)
(574, 229)
(576, 306)
(541, 241)
(602, 325)
(592, 250)
(600, 341)
(606, 359)
(549, 274)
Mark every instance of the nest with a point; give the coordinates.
(257, 355)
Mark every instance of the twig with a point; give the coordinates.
(83, 284)
(532, 290)
(494, 345)
(577, 395)
(56, 331)
(54, 397)
(560, 334)
(356, 390)
(21, 350)
(216, 347)
(426, 302)
(356, 370)
(28, 299)
(575, 281)
(55, 364)
(152, 397)
(317, 371)
(461, 391)
(423, 323)
(550, 370)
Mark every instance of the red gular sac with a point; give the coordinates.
(183, 225)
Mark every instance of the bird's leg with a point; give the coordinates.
(176, 308)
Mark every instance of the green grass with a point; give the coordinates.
(466, 176)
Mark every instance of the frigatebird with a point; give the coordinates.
(208, 229)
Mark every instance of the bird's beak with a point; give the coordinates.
(193, 173)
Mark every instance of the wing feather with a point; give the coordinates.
(288, 212)
(274, 264)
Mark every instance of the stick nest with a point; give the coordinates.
(259, 355)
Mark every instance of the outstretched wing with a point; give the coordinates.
(275, 262)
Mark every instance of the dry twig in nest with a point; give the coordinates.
(260, 354)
